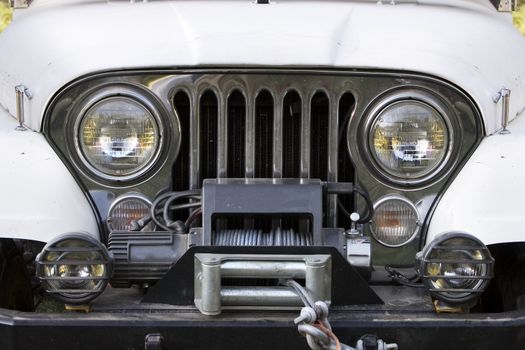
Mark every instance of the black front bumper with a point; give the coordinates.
(187, 329)
(124, 319)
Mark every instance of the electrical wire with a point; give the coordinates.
(369, 205)
(369, 211)
(164, 205)
(398, 277)
(194, 215)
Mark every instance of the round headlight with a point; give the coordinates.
(74, 268)
(456, 267)
(395, 221)
(409, 139)
(126, 210)
(118, 137)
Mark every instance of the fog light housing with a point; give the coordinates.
(395, 221)
(455, 267)
(127, 210)
(74, 268)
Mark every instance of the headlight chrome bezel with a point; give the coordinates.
(135, 95)
(423, 98)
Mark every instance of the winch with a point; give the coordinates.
(238, 213)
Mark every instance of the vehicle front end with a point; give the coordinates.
(281, 174)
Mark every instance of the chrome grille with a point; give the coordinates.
(263, 125)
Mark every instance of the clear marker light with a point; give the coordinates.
(126, 210)
(395, 221)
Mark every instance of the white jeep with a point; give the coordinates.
(201, 174)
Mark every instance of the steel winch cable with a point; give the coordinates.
(313, 321)
(314, 325)
(256, 237)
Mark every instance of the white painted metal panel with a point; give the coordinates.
(465, 42)
(487, 198)
(39, 199)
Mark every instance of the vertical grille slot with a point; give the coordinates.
(236, 135)
(263, 134)
(292, 135)
(319, 120)
(345, 166)
(320, 110)
(265, 126)
(209, 109)
(181, 168)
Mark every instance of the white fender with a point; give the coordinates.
(39, 199)
(487, 197)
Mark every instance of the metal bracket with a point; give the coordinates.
(153, 341)
(507, 5)
(372, 342)
(20, 4)
(504, 96)
(21, 91)
(210, 269)
(359, 251)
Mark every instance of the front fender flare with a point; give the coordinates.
(39, 198)
(487, 197)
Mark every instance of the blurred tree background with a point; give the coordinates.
(519, 17)
(6, 15)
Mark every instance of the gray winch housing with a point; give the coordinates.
(146, 257)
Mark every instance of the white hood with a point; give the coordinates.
(465, 42)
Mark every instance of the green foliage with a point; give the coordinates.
(5, 15)
(519, 17)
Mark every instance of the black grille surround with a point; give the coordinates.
(263, 123)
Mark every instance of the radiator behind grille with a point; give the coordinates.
(256, 125)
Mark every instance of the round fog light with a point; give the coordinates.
(456, 267)
(74, 268)
(395, 221)
(126, 210)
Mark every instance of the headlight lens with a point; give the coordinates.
(118, 136)
(126, 210)
(75, 268)
(395, 221)
(456, 267)
(409, 139)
